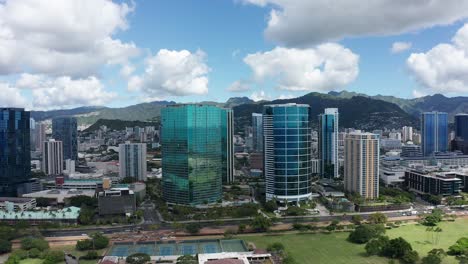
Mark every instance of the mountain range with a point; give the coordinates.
(356, 110)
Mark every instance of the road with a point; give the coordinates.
(226, 222)
(150, 213)
(70, 260)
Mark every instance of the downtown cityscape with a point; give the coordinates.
(131, 132)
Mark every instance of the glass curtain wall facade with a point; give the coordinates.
(460, 142)
(434, 131)
(65, 129)
(328, 143)
(257, 132)
(461, 126)
(227, 144)
(15, 155)
(287, 152)
(195, 144)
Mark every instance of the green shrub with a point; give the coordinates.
(39, 243)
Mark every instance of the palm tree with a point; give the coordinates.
(430, 230)
(438, 230)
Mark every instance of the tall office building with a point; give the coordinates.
(461, 126)
(52, 157)
(461, 133)
(15, 155)
(257, 132)
(361, 164)
(32, 134)
(227, 138)
(132, 161)
(40, 134)
(434, 132)
(328, 143)
(407, 134)
(196, 143)
(288, 152)
(65, 129)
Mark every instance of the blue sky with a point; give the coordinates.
(192, 50)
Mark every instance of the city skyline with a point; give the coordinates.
(127, 53)
(233, 131)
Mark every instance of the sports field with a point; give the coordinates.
(169, 248)
(333, 248)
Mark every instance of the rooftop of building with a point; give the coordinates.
(436, 175)
(11, 108)
(59, 194)
(15, 199)
(68, 213)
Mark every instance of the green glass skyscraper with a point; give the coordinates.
(196, 145)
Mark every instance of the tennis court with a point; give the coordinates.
(120, 250)
(233, 245)
(166, 250)
(210, 247)
(188, 249)
(147, 249)
(173, 248)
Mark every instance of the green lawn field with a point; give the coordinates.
(333, 248)
(31, 261)
(68, 250)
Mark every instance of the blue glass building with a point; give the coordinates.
(328, 143)
(15, 155)
(460, 141)
(196, 142)
(65, 129)
(461, 126)
(434, 132)
(257, 132)
(287, 152)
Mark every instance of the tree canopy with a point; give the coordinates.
(138, 258)
(364, 233)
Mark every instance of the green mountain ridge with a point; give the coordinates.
(356, 110)
(415, 106)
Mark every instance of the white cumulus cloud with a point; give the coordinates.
(58, 37)
(239, 86)
(172, 72)
(398, 47)
(323, 68)
(418, 93)
(60, 92)
(444, 68)
(12, 97)
(302, 23)
(259, 96)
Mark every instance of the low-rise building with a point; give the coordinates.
(435, 184)
(389, 143)
(17, 204)
(59, 195)
(392, 175)
(68, 215)
(234, 258)
(116, 201)
(411, 150)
